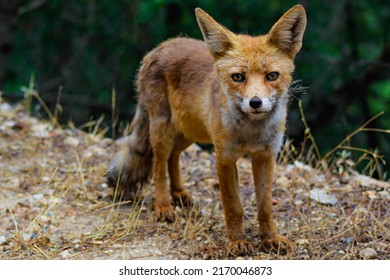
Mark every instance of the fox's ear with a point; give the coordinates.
(287, 33)
(218, 38)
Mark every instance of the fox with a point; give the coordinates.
(229, 90)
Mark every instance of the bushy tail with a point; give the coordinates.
(132, 167)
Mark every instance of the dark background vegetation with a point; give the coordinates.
(84, 50)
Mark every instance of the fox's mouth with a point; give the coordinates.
(259, 112)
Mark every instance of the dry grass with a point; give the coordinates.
(54, 203)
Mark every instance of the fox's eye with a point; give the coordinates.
(238, 77)
(272, 76)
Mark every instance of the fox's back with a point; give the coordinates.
(179, 62)
(174, 81)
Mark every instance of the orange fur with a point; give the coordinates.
(231, 91)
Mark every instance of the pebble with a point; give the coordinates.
(298, 202)
(44, 219)
(322, 197)
(2, 239)
(45, 179)
(71, 141)
(26, 236)
(368, 253)
(302, 242)
(64, 254)
(38, 196)
(40, 130)
(384, 194)
(5, 108)
(282, 181)
(300, 165)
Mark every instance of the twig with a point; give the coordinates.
(36, 247)
(307, 130)
(114, 118)
(31, 6)
(348, 138)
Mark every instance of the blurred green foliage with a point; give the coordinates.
(92, 46)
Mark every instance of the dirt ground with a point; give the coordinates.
(54, 204)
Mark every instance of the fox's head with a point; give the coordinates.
(255, 72)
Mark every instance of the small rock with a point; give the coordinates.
(5, 108)
(44, 219)
(290, 168)
(384, 194)
(87, 154)
(45, 179)
(348, 240)
(38, 196)
(26, 236)
(240, 259)
(302, 242)
(2, 239)
(40, 130)
(64, 254)
(71, 141)
(368, 253)
(9, 124)
(322, 197)
(298, 202)
(300, 165)
(282, 181)
(94, 150)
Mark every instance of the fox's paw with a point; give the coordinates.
(182, 199)
(241, 247)
(276, 243)
(166, 214)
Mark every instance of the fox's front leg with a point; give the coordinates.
(263, 169)
(228, 185)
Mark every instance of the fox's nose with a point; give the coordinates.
(255, 102)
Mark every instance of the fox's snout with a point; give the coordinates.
(255, 102)
(257, 106)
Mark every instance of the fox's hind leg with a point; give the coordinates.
(162, 135)
(178, 192)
